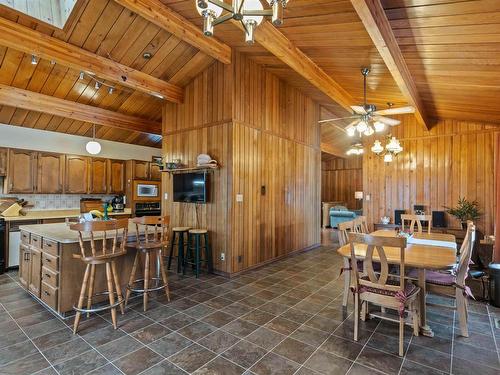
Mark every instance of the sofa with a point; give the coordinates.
(340, 214)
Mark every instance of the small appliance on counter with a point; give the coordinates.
(12, 207)
(118, 203)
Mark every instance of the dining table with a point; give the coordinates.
(424, 251)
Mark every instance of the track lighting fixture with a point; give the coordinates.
(82, 75)
(34, 61)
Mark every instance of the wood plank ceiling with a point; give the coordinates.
(111, 31)
(450, 46)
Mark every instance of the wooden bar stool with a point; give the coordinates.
(151, 239)
(99, 256)
(195, 247)
(178, 233)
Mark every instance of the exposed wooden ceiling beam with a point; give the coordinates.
(158, 13)
(21, 38)
(33, 101)
(329, 149)
(374, 19)
(275, 42)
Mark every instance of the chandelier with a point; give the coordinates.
(249, 12)
(391, 150)
(356, 149)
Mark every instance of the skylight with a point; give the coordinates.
(53, 12)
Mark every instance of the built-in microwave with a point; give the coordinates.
(146, 190)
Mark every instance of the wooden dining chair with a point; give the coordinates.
(152, 237)
(380, 288)
(361, 225)
(113, 236)
(452, 284)
(416, 220)
(343, 232)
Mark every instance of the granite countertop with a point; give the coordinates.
(56, 214)
(60, 232)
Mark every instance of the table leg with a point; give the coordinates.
(424, 328)
(347, 281)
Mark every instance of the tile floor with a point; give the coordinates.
(285, 318)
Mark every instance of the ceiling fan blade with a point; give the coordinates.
(387, 120)
(395, 111)
(360, 110)
(336, 119)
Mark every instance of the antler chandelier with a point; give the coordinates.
(249, 12)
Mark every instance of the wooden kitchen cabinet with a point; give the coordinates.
(140, 170)
(155, 173)
(76, 174)
(116, 183)
(98, 176)
(24, 265)
(3, 161)
(50, 173)
(35, 269)
(21, 174)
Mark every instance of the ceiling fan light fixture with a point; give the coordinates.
(361, 126)
(350, 130)
(393, 145)
(369, 131)
(387, 158)
(379, 126)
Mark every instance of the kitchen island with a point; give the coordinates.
(49, 271)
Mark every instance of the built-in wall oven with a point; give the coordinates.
(147, 209)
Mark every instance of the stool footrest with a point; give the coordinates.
(158, 281)
(118, 302)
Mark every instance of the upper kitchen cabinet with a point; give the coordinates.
(116, 183)
(3, 161)
(155, 171)
(98, 176)
(50, 175)
(76, 174)
(21, 174)
(140, 170)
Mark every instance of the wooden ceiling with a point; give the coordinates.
(451, 48)
(111, 31)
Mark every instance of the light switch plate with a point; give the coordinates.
(239, 197)
(166, 196)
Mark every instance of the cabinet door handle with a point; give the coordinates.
(48, 276)
(46, 293)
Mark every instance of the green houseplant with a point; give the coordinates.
(465, 210)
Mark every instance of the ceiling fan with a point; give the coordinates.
(367, 119)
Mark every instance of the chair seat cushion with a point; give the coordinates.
(410, 288)
(435, 277)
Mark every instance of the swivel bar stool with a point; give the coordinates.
(109, 232)
(179, 238)
(151, 239)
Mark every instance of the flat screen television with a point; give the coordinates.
(190, 187)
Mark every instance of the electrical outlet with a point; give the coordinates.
(239, 197)
(222, 256)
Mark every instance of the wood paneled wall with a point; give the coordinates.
(266, 136)
(340, 178)
(454, 159)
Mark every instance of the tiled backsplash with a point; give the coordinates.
(54, 201)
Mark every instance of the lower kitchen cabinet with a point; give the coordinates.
(24, 265)
(35, 271)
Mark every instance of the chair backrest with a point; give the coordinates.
(155, 228)
(107, 230)
(376, 244)
(465, 254)
(360, 225)
(416, 219)
(344, 229)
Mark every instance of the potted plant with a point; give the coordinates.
(465, 210)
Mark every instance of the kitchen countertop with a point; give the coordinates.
(60, 232)
(56, 214)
